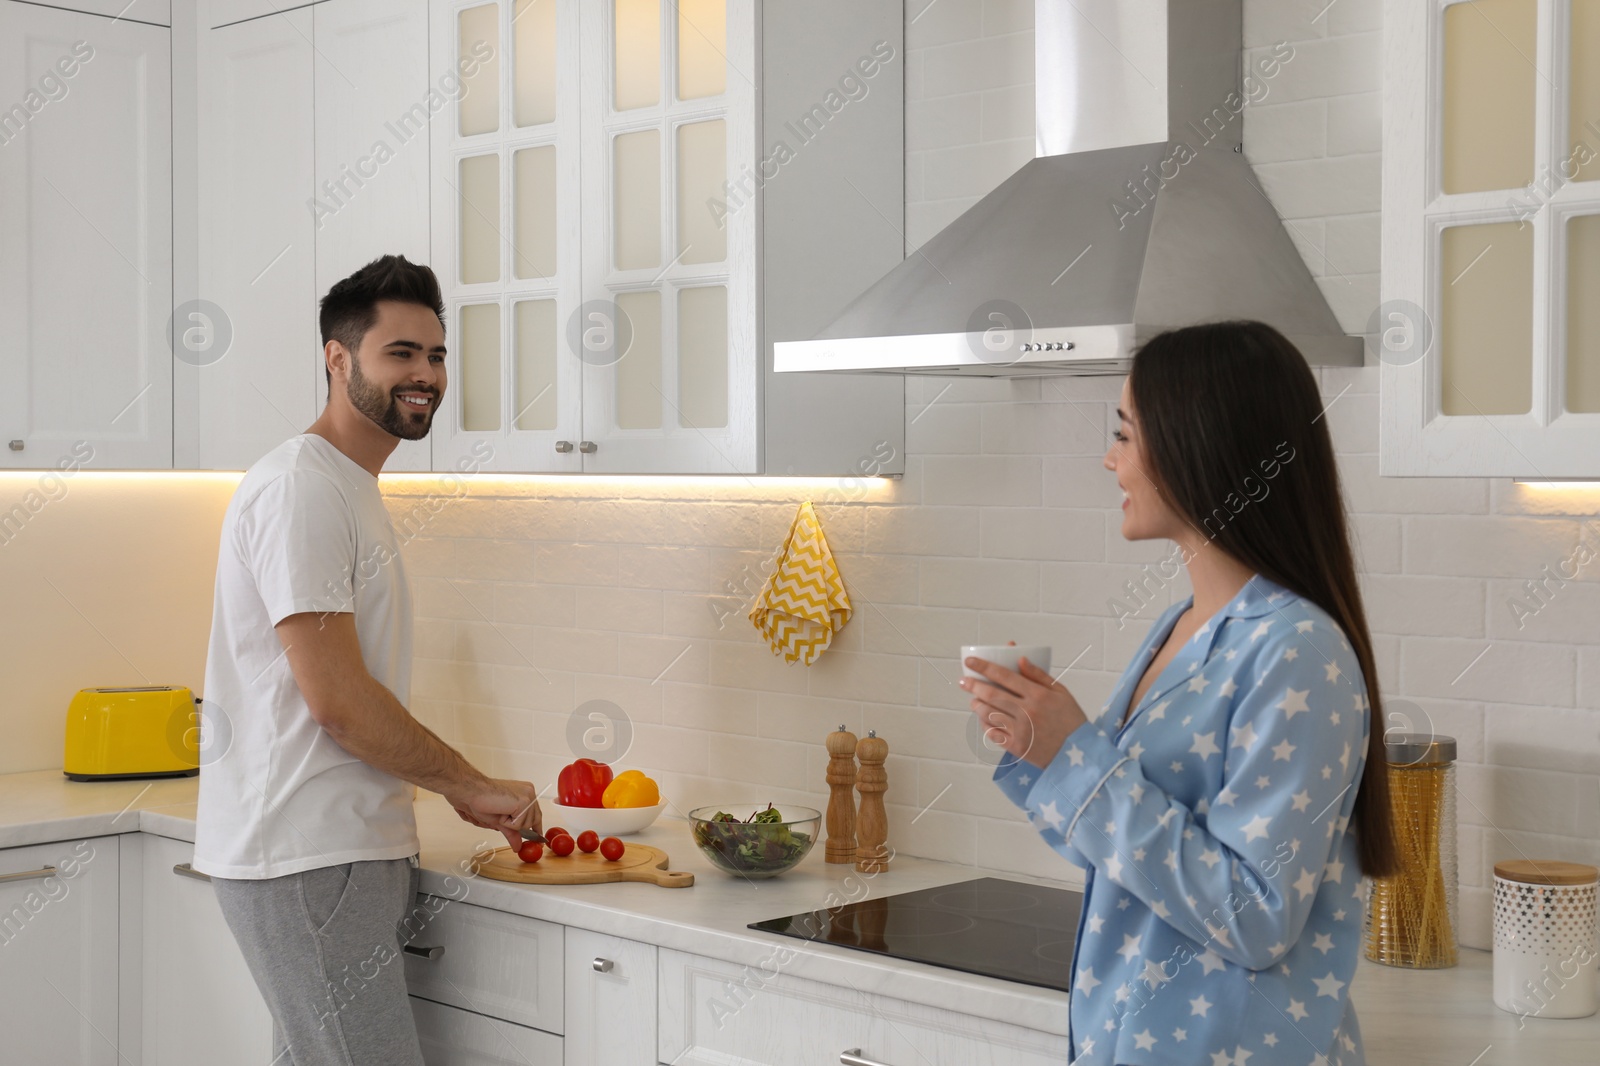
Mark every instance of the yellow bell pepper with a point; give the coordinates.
(631, 788)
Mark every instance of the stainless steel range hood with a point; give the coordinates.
(1139, 214)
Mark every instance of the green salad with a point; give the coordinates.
(757, 844)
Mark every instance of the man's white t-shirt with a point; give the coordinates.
(306, 531)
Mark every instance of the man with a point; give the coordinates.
(305, 822)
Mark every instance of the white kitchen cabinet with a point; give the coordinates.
(611, 998)
(370, 193)
(155, 12)
(1489, 334)
(313, 162)
(58, 953)
(495, 964)
(244, 370)
(200, 1006)
(626, 215)
(714, 1012)
(451, 1037)
(85, 239)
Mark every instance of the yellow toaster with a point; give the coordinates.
(149, 731)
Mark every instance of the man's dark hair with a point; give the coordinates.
(351, 306)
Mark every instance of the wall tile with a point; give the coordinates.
(922, 631)
(992, 584)
(985, 63)
(998, 480)
(1275, 132)
(944, 121)
(923, 530)
(1326, 68)
(1266, 23)
(1045, 429)
(1424, 606)
(936, 22)
(1047, 533)
(943, 428)
(1516, 548)
(1532, 674)
(1316, 188)
(662, 658)
(1355, 124)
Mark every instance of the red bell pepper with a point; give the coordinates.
(583, 783)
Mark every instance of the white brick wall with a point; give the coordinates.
(1006, 526)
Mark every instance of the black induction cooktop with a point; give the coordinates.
(990, 926)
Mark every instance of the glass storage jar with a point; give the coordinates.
(1411, 916)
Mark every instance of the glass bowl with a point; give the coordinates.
(755, 849)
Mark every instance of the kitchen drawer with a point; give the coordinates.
(611, 998)
(713, 1013)
(502, 965)
(452, 1037)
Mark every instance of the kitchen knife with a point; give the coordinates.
(535, 835)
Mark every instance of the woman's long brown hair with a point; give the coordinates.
(1215, 403)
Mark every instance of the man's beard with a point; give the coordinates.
(388, 411)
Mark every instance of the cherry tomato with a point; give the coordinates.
(612, 848)
(588, 840)
(561, 844)
(531, 851)
(550, 834)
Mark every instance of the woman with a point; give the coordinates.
(1233, 792)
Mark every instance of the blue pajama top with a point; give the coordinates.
(1223, 902)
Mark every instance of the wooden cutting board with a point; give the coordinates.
(639, 862)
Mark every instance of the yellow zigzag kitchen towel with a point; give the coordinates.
(804, 602)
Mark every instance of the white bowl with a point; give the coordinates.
(607, 821)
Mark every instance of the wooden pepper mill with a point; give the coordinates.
(872, 822)
(841, 796)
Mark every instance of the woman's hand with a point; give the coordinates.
(1031, 725)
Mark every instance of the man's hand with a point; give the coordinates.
(509, 806)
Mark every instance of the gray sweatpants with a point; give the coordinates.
(324, 948)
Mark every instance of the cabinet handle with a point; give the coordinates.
(588, 447)
(16, 445)
(27, 875)
(563, 446)
(853, 1058)
(602, 965)
(418, 950)
(183, 869)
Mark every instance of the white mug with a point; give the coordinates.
(1005, 655)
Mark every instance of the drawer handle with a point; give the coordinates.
(418, 950)
(183, 869)
(27, 875)
(853, 1058)
(603, 965)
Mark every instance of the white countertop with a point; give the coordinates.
(1407, 1016)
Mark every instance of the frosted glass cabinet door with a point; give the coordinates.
(505, 241)
(669, 350)
(1485, 333)
(85, 241)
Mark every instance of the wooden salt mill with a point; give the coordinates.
(872, 822)
(841, 796)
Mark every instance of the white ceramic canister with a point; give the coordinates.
(1546, 964)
